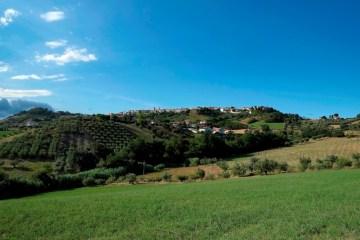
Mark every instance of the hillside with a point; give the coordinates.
(57, 150)
(315, 149)
(315, 205)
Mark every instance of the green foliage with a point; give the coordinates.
(356, 160)
(225, 174)
(223, 165)
(283, 167)
(343, 162)
(305, 163)
(89, 181)
(166, 177)
(159, 167)
(199, 174)
(266, 166)
(182, 178)
(131, 178)
(193, 162)
(239, 170)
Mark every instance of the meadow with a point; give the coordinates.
(311, 205)
(273, 126)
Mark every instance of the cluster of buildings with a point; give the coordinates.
(203, 127)
(232, 110)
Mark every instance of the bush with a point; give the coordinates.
(206, 161)
(305, 163)
(239, 170)
(283, 167)
(89, 181)
(194, 162)
(266, 166)
(100, 181)
(149, 168)
(329, 161)
(252, 164)
(225, 174)
(223, 165)
(110, 180)
(200, 174)
(182, 178)
(130, 178)
(356, 160)
(3, 176)
(166, 177)
(343, 162)
(159, 167)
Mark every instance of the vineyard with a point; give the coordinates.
(63, 135)
(112, 135)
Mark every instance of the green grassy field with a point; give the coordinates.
(313, 205)
(273, 126)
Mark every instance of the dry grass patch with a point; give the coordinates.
(317, 149)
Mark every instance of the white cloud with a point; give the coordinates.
(19, 93)
(4, 67)
(69, 55)
(56, 43)
(53, 16)
(55, 77)
(8, 17)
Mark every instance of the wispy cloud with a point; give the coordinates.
(55, 77)
(56, 43)
(8, 16)
(21, 93)
(4, 67)
(69, 55)
(53, 16)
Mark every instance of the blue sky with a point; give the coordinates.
(83, 56)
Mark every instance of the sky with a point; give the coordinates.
(298, 56)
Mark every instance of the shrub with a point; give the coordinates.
(239, 170)
(329, 161)
(223, 165)
(206, 161)
(89, 181)
(226, 174)
(130, 178)
(194, 162)
(356, 160)
(283, 167)
(68, 181)
(343, 162)
(252, 164)
(182, 178)
(305, 163)
(159, 167)
(100, 181)
(200, 174)
(149, 168)
(166, 177)
(155, 179)
(110, 180)
(266, 166)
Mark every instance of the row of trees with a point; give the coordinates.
(177, 151)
